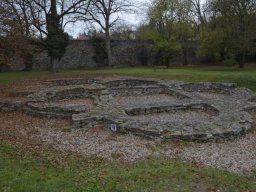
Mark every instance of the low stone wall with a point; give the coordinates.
(8, 106)
(173, 109)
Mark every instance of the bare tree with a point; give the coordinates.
(199, 8)
(106, 13)
(66, 11)
(19, 10)
(46, 18)
(49, 18)
(123, 31)
(15, 33)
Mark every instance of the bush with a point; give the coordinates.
(229, 62)
(99, 46)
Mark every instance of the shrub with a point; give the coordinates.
(229, 62)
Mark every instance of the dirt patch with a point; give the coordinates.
(17, 127)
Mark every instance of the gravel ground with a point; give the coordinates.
(211, 95)
(238, 156)
(77, 101)
(144, 100)
(99, 142)
(175, 116)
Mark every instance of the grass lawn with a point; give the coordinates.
(45, 169)
(10, 77)
(243, 77)
(51, 170)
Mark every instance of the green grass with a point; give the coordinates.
(51, 170)
(10, 77)
(243, 77)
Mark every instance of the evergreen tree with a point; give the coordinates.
(57, 40)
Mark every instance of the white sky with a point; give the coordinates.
(131, 19)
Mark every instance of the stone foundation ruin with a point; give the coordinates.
(145, 107)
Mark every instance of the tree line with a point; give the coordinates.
(224, 30)
(24, 21)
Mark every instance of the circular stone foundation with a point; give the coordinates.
(149, 107)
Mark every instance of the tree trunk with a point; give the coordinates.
(54, 67)
(241, 60)
(185, 55)
(108, 47)
(28, 61)
(241, 63)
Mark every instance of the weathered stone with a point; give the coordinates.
(20, 93)
(54, 110)
(253, 99)
(6, 105)
(73, 81)
(130, 83)
(224, 88)
(200, 111)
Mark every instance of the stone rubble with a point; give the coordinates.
(147, 107)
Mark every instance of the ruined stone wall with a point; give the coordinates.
(78, 54)
(81, 54)
(133, 53)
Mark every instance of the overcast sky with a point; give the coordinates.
(131, 19)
